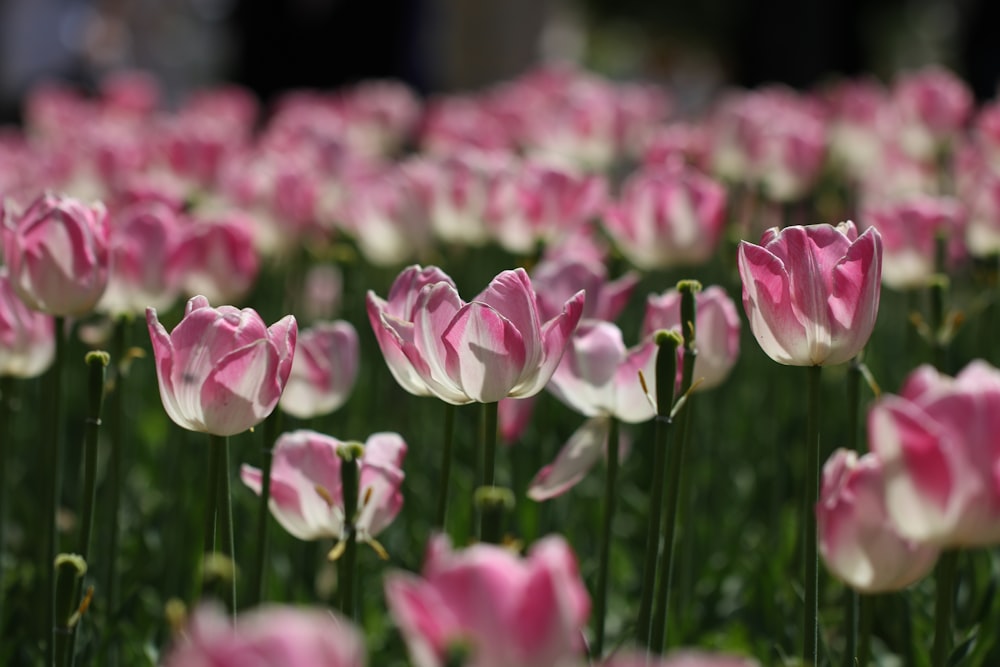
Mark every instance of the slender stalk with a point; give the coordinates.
(489, 438)
(116, 418)
(850, 595)
(272, 425)
(449, 434)
(810, 627)
(493, 503)
(347, 567)
(866, 616)
(945, 576)
(666, 370)
(610, 494)
(216, 458)
(53, 439)
(69, 569)
(224, 516)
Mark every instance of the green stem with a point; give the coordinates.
(272, 425)
(493, 503)
(116, 416)
(216, 458)
(489, 439)
(52, 392)
(850, 595)
(666, 371)
(945, 576)
(347, 568)
(68, 569)
(610, 494)
(449, 434)
(866, 617)
(224, 517)
(810, 628)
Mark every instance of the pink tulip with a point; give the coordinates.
(513, 417)
(221, 370)
(306, 491)
(492, 347)
(27, 337)
(811, 293)
(218, 259)
(910, 229)
(717, 331)
(144, 246)
(857, 539)
(933, 106)
(556, 280)
(323, 371)
(57, 254)
(667, 217)
(505, 610)
(937, 441)
(322, 292)
(268, 636)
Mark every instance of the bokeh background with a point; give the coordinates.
(449, 45)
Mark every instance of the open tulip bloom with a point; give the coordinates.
(492, 347)
(221, 370)
(811, 293)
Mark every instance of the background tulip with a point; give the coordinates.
(57, 254)
(323, 371)
(221, 370)
(812, 293)
(27, 337)
(857, 540)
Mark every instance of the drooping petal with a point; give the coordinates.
(580, 453)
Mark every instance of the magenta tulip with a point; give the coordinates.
(306, 491)
(503, 609)
(938, 443)
(812, 293)
(323, 371)
(27, 337)
(221, 370)
(269, 636)
(218, 259)
(57, 254)
(857, 539)
(492, 347)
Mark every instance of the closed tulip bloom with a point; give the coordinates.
(268, 636)
(717, 331)
(502, 609)
(27, 337)
(811, 293)
(221, 370)
(323, 371)
(492, 347)
(857, 539)
(938, 442)
(57, 254)
(307, 496)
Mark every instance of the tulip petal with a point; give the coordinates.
(580, 453)
(242, 389)
(437, 306)
(555, 335)
(485, 352)
(767, 301)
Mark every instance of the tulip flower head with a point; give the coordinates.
(306, 489)
(857, 539)
(27, 337)
(938, 442)
(811, 293)
(505, 610)
(323, 371)
(221, 370)
(492, 347)
(57, 254)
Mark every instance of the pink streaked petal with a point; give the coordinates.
(631, 403)
(584, 379)
(542, 634)
(511, 294)
(767, 301)
(424, 620)
(485, 353)
(580, 453)
(555, 335)
(392, 334)
(854, 299)
(241, 390)
(437, 306)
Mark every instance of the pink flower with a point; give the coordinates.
(937, 441)
(307, 497)
(57, 254)
(492, 347)
(27, 337)
(268, 636)
(857, 539)
(667, 217)
(220, 370)
(811, 293)
(506, 610)
(218, 258)
(323, 371)
(717, 331)
(556, 280)
(933, 106)
(909, 230)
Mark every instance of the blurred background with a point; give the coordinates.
(448, 45)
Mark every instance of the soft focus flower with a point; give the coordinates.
(268, 636)
(492, 347)
(910, 229)
(307, 496)
(556, 280)
(811, 293)
(218, 258)
(221, 370)
(933, 105)
(27, 337)
(505, 610)
(717, 331)
(322, 292)
(939, 447)
(57, 254)
(667, 217)
(323, 371)
(857, 540)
